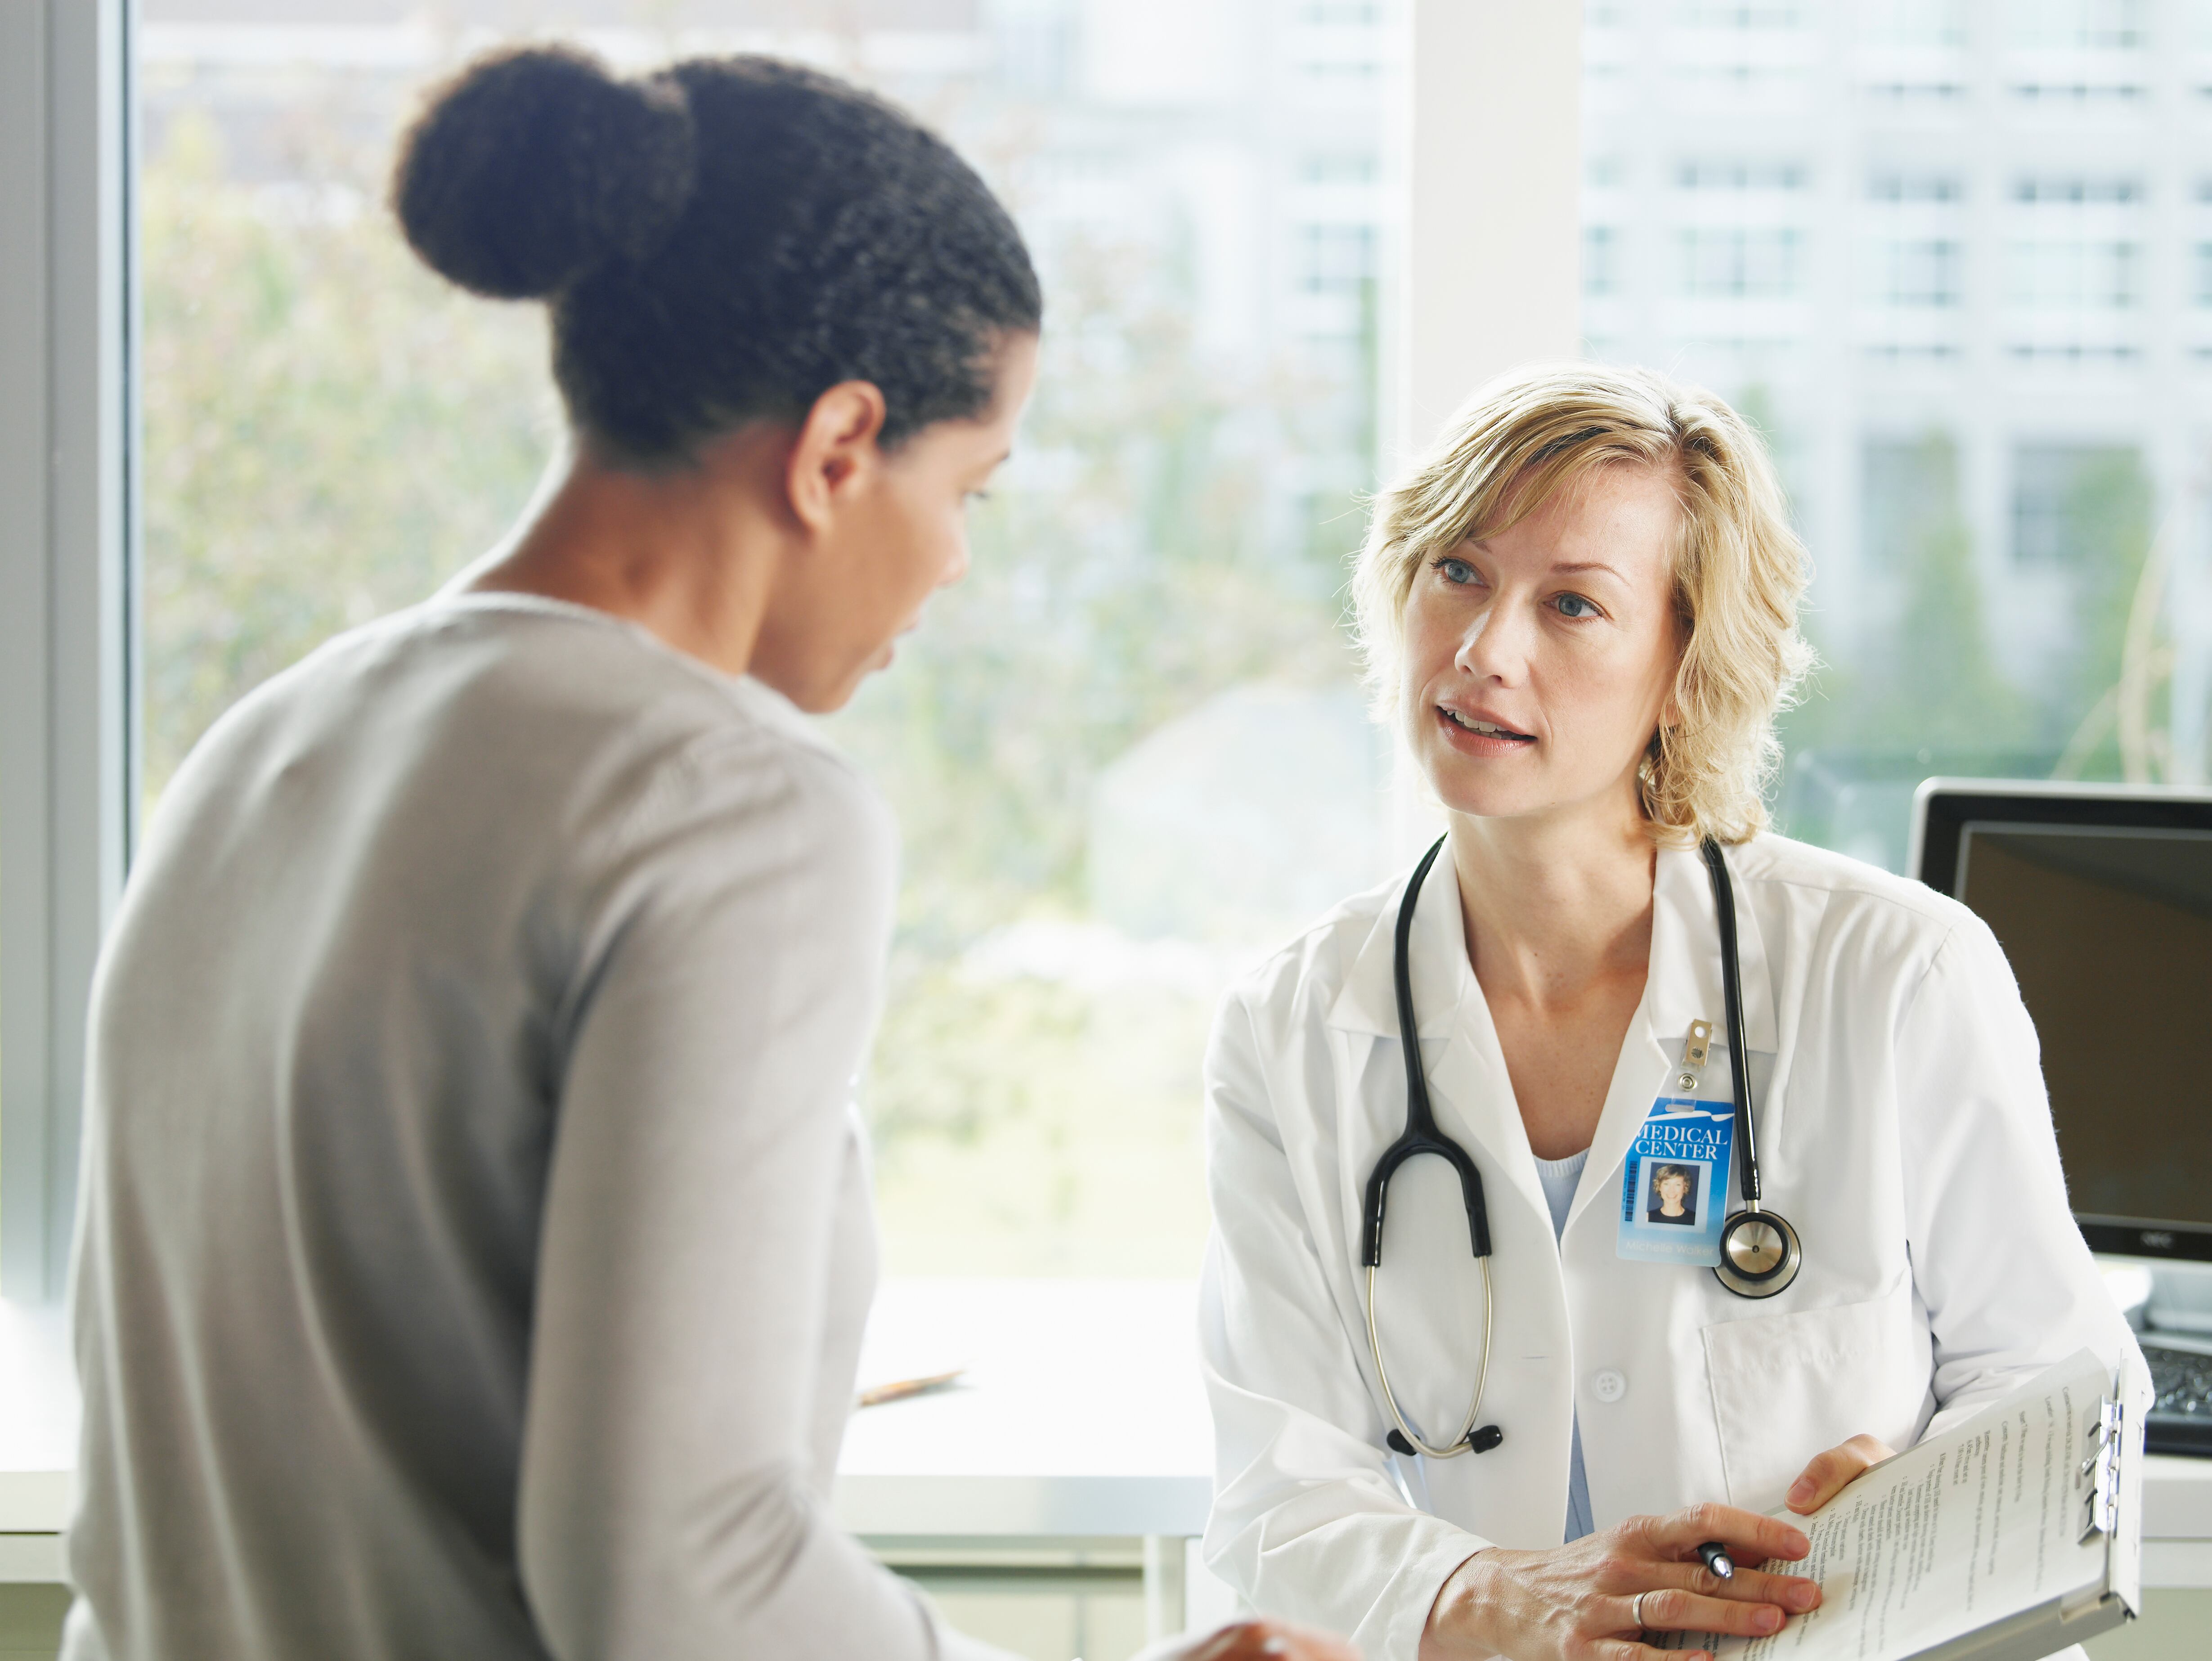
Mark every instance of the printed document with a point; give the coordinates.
(1966, 1529)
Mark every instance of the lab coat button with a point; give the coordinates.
(1608, 1386)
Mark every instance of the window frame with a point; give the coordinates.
(68, 549)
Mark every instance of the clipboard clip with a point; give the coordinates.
(2100, 1506)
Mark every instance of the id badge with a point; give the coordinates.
(1674, 1192)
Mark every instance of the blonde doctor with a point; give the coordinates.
(1580, 611)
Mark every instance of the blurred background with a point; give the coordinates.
(1954, 257)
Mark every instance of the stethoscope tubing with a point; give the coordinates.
(1732, 999)
(1459, 1444)
(1422, 1136)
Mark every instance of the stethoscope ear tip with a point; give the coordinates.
(1481, 1440)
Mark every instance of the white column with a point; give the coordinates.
(1489, 171)
(66, 782)
(1485, 269)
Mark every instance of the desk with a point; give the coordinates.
(1081, 1417)
(1082, 1414)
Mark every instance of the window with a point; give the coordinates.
(1335, 258)
(1916, 24)
(1978, 493)
(1915, 256)
(66, 739)
(2073, 274)
(2077, 25)
(1099, 824)
(1918, 272)
(2073, 270)
(1741, 58)
(1740, 242)
(1339, 168)
(1600, 260)
(1738, 262)
(1722, 14)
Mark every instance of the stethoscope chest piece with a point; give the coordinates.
(1760, 1253)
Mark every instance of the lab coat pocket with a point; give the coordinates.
(1786, 1387)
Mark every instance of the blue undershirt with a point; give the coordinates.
(1560, 1178)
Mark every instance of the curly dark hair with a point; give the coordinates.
(721, 241)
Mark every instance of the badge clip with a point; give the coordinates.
(1694, 1056)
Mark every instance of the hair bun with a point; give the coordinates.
(534, 165)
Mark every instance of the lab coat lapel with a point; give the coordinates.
(1681, 984)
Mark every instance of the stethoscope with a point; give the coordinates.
(1759, 1251)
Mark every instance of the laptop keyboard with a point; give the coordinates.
(2181, 1411)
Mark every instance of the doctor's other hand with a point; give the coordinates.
(1831, 1472)
(1256, 1639)
(1578, 1603)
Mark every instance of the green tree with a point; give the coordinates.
(1124, 573)
(1935, 684)
(2104, 537)
(331, 431)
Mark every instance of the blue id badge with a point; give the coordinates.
(1675, 1193)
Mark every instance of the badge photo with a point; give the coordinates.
(1674, 1190)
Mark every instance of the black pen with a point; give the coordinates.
(1716, 1559)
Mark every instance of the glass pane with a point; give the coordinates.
(1959, 276)
(1128, 752)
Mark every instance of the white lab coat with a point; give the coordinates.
(1902, 1127)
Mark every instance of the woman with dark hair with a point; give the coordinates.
(476, 1238)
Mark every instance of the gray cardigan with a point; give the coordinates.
(476, 1236)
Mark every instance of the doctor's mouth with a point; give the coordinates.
(1481, 732)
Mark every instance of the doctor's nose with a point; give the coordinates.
(1497, 648)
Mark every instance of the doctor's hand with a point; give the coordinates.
(1831, 1472)
(1578, 1603)
(1254, 1641)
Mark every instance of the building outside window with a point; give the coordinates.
(1989, 386)
(1915, 257)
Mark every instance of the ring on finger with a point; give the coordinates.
(1636, 1611)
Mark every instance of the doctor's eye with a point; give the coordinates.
(1574, 605)
(1456, 571)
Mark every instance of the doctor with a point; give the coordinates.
(1579, 609)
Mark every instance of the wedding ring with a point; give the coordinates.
(1636, 1611)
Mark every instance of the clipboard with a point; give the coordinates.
(2006, 1538)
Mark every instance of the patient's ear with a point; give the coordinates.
(836, 449)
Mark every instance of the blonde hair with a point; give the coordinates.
(1739, 568)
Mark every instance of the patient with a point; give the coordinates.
(475, 1235)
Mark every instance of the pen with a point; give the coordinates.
(878, 1395)
(1716, 1559)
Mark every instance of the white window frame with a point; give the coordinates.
(1488, 154)
(68, 783)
